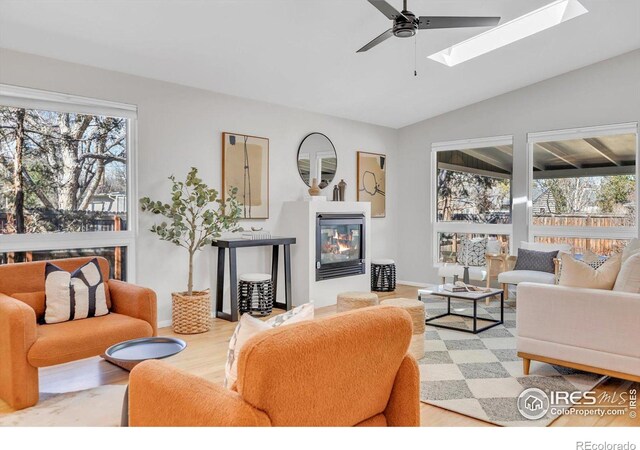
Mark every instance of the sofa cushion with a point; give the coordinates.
(578, 274)
(68, 341)
(522, 276)
(536, 261)
(475, 273)
(629, 276)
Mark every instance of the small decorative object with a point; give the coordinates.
(342, 189)
(317, 159)
(255, 294)
(196, 217)
(336, 193)
(245, 165)
(372, 178)
(383, 275)
(256, 228)
(259, 234)
(314, 190)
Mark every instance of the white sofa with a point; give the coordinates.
(588, 329)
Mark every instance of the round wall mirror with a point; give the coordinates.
(317, 159)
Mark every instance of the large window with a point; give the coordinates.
(584, 188)
(471, 193)
(65, 177)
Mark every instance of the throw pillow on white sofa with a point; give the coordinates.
(629, 277)
(578, 274)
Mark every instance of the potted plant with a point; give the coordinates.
(196, 216)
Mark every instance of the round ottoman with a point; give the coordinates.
(354, 300)
(255, 294)
(383, 275)
(415, 308)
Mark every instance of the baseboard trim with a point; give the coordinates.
(583, 367)
(413, 283)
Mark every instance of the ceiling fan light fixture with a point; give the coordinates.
(519, 28)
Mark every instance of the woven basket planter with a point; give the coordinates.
(191, 314)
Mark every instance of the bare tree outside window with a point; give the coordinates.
(61, 172)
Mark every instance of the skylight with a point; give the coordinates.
(519, 28)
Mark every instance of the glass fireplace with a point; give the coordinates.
(339, 245)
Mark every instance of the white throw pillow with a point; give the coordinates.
(632, 248)
(578, 274)
(629, 277)
(250, 326)
(72, 296)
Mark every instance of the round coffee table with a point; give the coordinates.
(128, 354)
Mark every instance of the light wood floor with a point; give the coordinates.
(206, 354)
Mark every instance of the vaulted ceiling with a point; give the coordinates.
(302, 53)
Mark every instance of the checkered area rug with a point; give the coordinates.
(480, 375)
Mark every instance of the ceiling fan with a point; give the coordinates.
(406, 24)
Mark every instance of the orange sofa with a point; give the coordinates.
(25, 345)
(351, 369)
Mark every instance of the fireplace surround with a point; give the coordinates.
(340, 245)
(299, 219)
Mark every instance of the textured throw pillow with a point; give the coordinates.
(629, 277)
(473, 252)
(536, 261)
(578, 274)
(250, 326)
(73, 296)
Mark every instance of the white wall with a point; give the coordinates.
(180, 127)
(604, 93)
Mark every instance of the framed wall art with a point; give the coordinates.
(372, 179)
(245, 165)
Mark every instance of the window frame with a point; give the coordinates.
(463, 227)
(581, 232)
(20, 97)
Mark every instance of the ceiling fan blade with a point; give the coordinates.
(383, 37)
(386, 9)
(426, 22)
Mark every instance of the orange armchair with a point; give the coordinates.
(26, 345)
(351, 369)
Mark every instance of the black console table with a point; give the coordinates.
(232, 245)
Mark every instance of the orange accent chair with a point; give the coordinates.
(351, 369)
(26, 345)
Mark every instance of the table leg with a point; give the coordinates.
(448, 305)
(287, 276)
(274, 271)
(233, 281)
(124, 418)
(475, 316)
(220, 283)
(502, 306)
